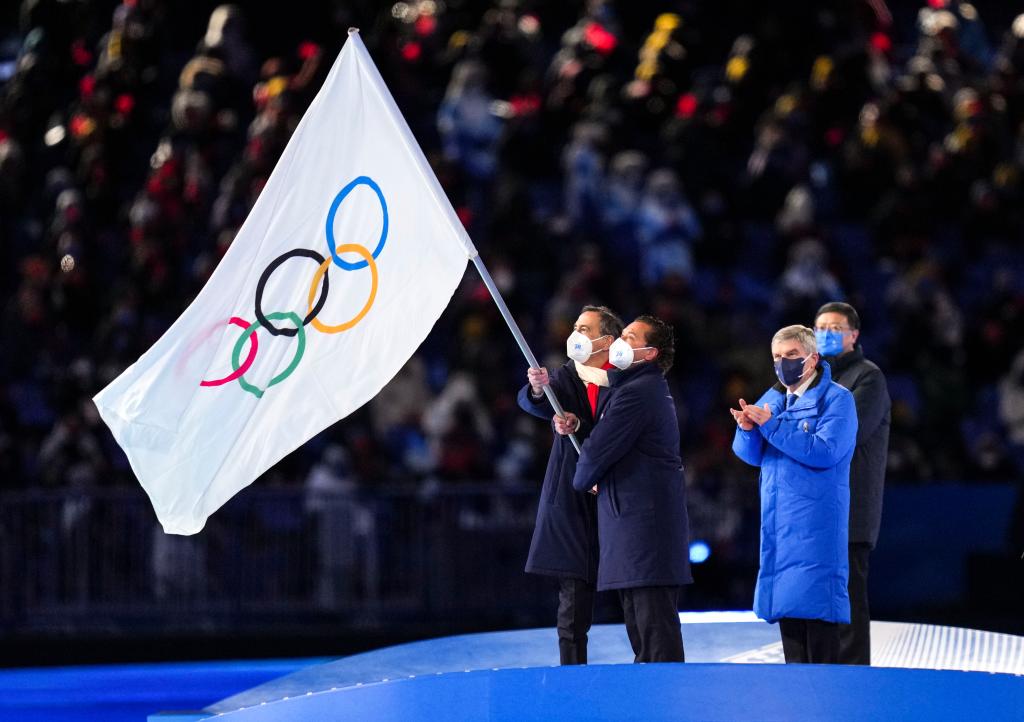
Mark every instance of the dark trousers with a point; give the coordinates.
(809, 641)
(575, 615)
(652, 623)
(855, 637)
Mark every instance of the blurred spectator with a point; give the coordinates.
(459, 430)
(1011, 407)
(342, 525)
(666, 229)
(468, 123)
(806, 281)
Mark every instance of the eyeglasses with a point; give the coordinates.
(839, 328)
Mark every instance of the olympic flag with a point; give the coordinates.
(348, 258)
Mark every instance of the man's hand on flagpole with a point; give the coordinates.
(570, 424)
(538, 379)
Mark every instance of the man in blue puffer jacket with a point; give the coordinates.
(802, 434)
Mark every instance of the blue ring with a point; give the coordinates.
(332, 246)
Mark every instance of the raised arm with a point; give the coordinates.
(540, 408)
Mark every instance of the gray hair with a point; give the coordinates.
(797, 333)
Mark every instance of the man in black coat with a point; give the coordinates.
(564, 543)
(837, 330)
(632, 458)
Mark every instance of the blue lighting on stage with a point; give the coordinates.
(699, 552)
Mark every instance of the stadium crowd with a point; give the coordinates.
(726, 166)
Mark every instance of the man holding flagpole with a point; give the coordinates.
(633, 458)
(564, 543)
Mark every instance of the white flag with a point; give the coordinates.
(341, 269)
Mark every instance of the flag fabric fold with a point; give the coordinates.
(346, 261)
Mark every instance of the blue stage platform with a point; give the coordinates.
(732, 672)
(663, 692)
(922, 672)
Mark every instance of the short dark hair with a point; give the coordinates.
(852, 317)
(611, 325)
(662, 337)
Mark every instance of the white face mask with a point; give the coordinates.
(580, 348)
(620, 354)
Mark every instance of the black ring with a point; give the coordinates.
(261, 285)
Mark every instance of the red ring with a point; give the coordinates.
(253, 346)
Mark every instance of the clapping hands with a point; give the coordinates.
(748, 415)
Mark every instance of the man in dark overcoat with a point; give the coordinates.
(564, 543)
(837, 331)
(632, 457)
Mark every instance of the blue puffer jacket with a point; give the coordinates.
(804, 453)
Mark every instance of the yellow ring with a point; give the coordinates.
(344, 248)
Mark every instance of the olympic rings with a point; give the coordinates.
(294, 318)
(322, 271)
(342, 194)
(262, 284)
(240, 370)
(314, 305)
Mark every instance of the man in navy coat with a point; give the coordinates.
(564, 543)
(632, 458)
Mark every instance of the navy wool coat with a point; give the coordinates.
(564, 542)
(633, 456)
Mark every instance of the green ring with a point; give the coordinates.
(237, 352)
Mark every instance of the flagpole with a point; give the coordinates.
(514, 328)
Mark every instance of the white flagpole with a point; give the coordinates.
(517, 334)
(514, 328)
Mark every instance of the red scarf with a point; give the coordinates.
(592, 392)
